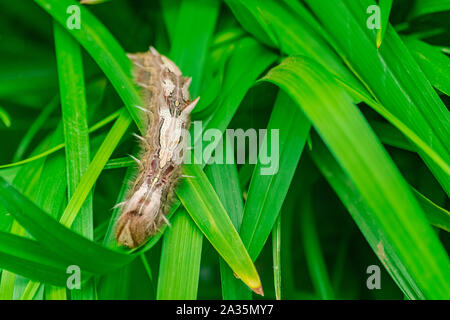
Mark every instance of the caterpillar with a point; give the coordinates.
(165, 92)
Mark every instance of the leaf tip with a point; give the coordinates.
(259, 291)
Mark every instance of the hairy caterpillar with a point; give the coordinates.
(164, 91)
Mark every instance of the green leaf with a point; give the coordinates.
(57, 238)
(291, 28)
(182, 245)
(50, 196)
(95, 168)
(205, 208)
(103, 48)
(385, 10)
(237, 82)
(74, 116)
(421, 145)
(60, 146)
(224, 180)
(286, 136)
(364, 218)
(34, 128)
(180, 259)
(192, 38)
(433, 62)
(424, 7)
(353, 144)
(391, 74)
(276, 256)
(29, 258)
(313, 251)
(438, 216)
(4, 116)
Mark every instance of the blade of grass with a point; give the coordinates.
(115, 285)
(391, 74)
(238, 81)
(94, 169)
(224, 180)
(27, 180)
(34, 128)
(354, 145)
(57, 238)
(29, 258)
(195, 25)
(4, 116)
(180, 260)
(423, 7)
(268, 190)
(385, 10)
(426, 148)
(437, 216)
(170, 9)
(74, 116)
(288, 26)
(60, 146)
(104, 49)
(433, 62)
(314, 257)
(364, 218)
(205, 208)
(50, 196)
(276, 256)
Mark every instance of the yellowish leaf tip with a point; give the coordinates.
(259, 291)
(379, 40)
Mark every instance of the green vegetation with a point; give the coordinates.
(364, 149)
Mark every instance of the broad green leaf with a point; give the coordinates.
(391, 74)
(363, 217)
(402, 127)
(291, 28)
(353, 144)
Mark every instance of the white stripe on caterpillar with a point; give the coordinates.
(165, 93)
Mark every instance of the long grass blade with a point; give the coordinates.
(371, 170)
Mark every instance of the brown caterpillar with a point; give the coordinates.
(164, 91)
